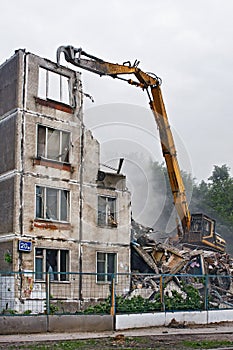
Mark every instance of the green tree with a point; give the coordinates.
(220, 193)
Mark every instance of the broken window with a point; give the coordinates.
(54, 261)
(106, 266)
(53, 144)
(107, 211)
(53, 86)
(52, 204)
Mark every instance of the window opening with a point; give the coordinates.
(52, 204)
(53, 144)
(107, 211)
(54, 261)
(106, 266)
(53, 86)
(39, 264)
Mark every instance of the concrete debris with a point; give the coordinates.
(151, 259)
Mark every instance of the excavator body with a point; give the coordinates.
(202, 233)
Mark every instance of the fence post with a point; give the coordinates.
(47, 279)
(113, 299)
(161, 293)
(206, 292)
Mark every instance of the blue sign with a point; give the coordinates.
(25, 246)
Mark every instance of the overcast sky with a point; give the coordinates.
(187, 43)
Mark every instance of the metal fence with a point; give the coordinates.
(90, 293)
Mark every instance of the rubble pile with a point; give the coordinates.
(151, 259)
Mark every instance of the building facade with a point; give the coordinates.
(59, 212)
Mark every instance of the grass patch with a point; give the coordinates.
(206, 344)
(124, 343)
(60, 345)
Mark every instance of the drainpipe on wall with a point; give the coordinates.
(22, 143)
(79, 108)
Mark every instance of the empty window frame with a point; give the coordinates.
(107, 211)
(106, 266)
(53, 144)
(53, 86)
(54, 261)
(52, 204)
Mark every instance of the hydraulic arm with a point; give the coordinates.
(151, 84)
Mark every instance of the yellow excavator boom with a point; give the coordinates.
(151, 84)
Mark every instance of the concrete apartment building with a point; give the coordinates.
(59, 212)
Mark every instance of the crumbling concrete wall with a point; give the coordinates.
(11, 84)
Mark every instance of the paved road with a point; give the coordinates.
(161, 331)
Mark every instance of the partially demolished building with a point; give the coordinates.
(58, 211)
